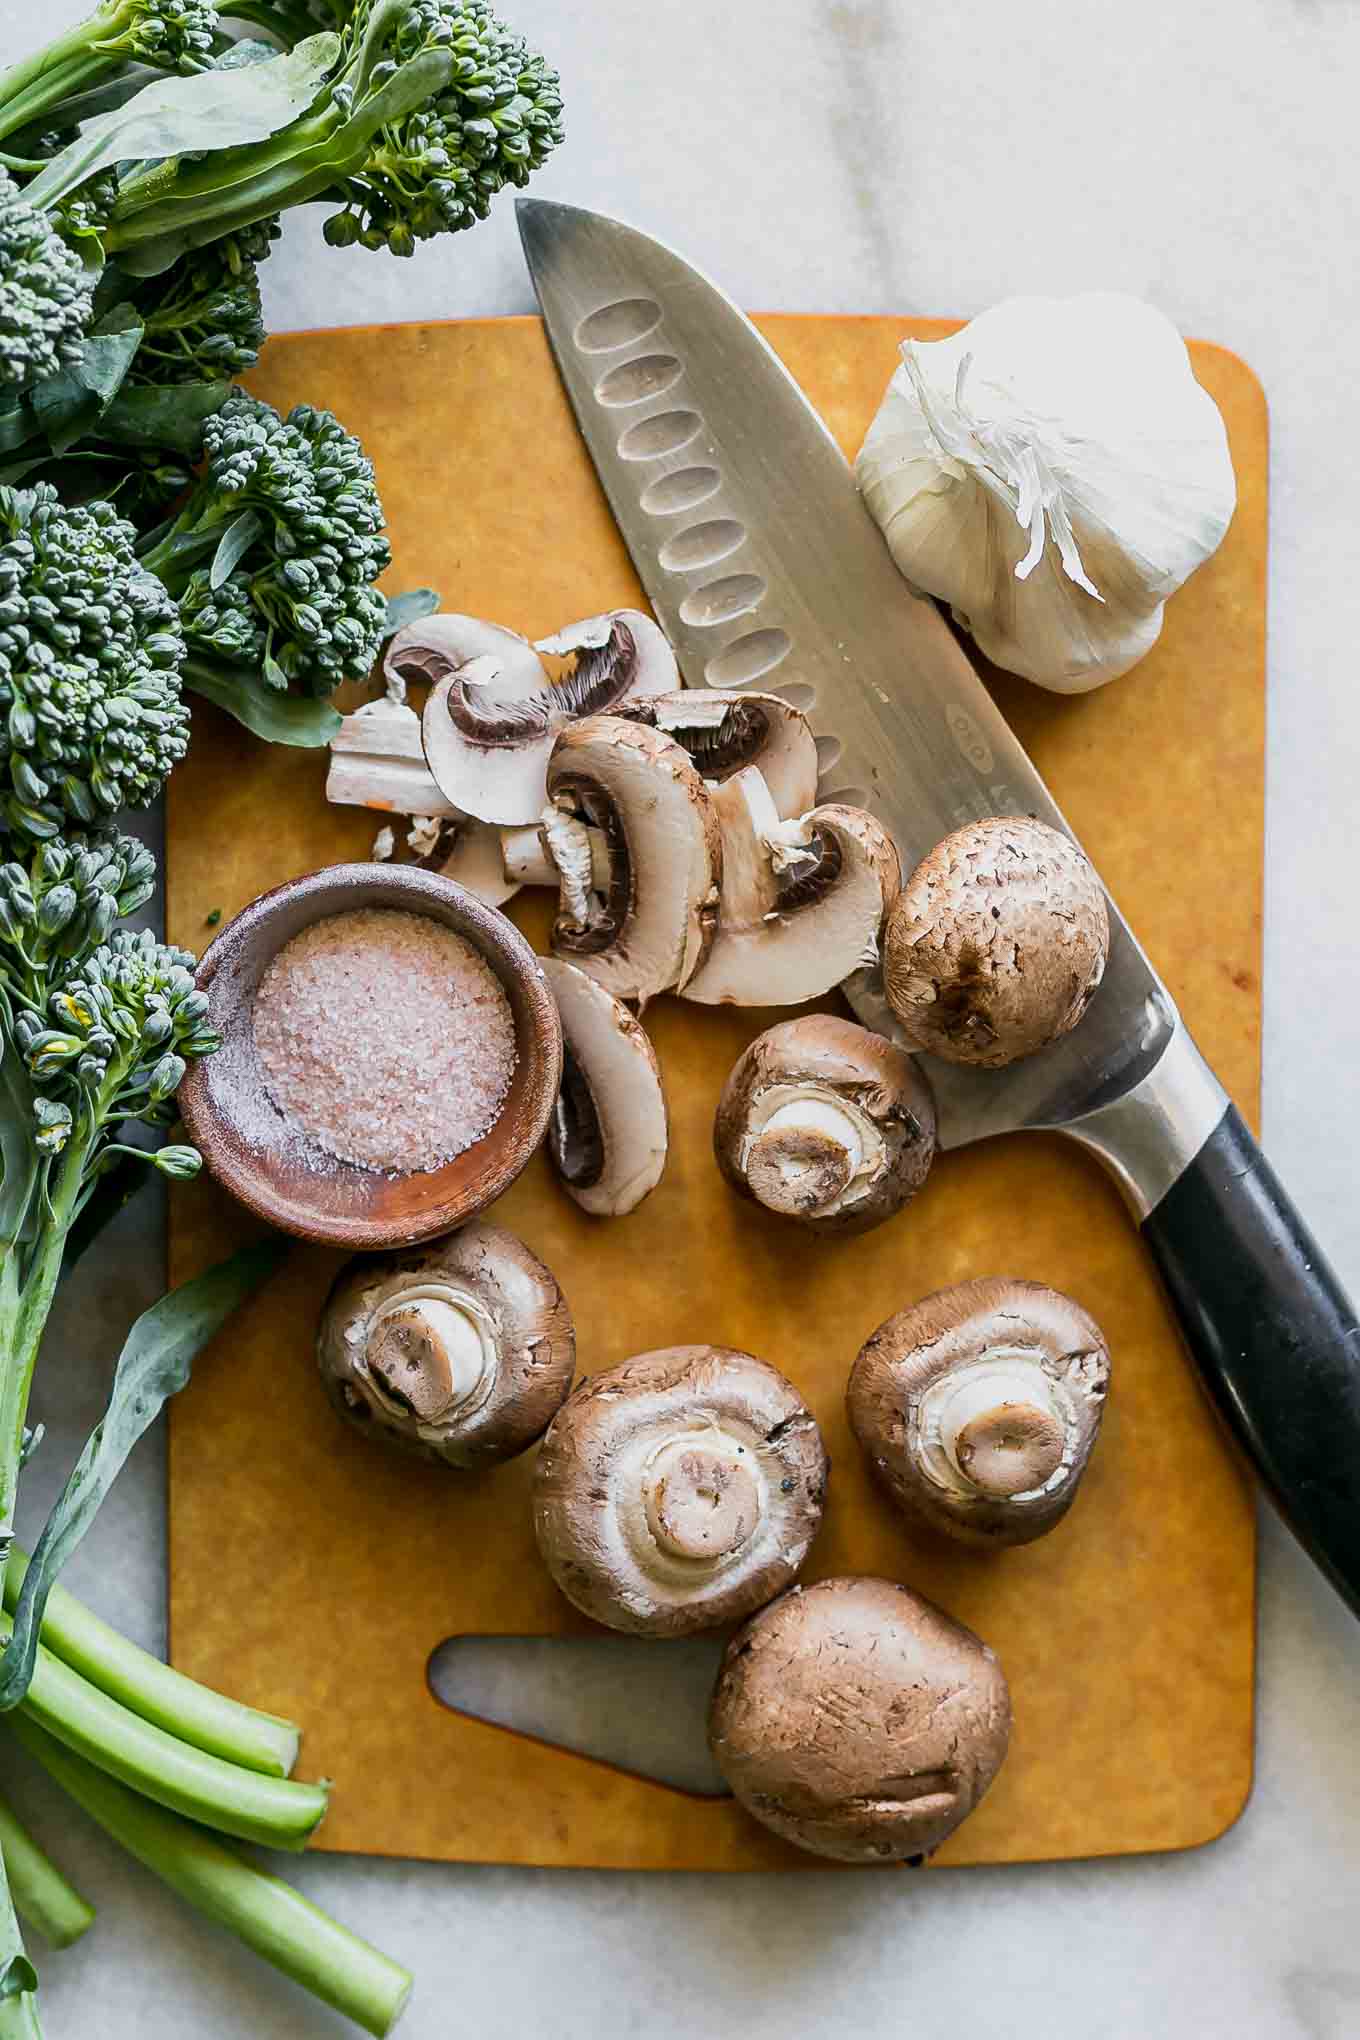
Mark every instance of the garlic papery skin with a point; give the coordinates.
(1053, 472)
(431, 1349)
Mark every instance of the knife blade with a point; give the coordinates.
(766, 570)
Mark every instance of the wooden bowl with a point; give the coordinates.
(252, 1150)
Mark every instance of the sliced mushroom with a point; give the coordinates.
(461, 1350)
(977, 1408)
(490, 721)
(728, 732)
(378, 761)
(822, 1121)
(997, 942)
(802, 901)
(679, 1491)
(607, 1140)
(653, 926)
(859, 1721)
(471, 853)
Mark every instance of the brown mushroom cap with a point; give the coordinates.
(460, 1351)
(679, 1491)
(978, 1407)
(997, 942)
(859, 1721)
(835, 1177)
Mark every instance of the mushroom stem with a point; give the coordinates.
(806, 1155)
(430, 1351)
(998, 1428)
(528, 860)
(702, 1497)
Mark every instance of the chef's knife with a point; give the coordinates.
(765, 569)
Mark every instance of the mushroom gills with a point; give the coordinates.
(575, 1142)
(728, 732)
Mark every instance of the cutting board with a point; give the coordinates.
(313, 1575)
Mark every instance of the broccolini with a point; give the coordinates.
(45, 293)
(293, 504)
(90, 650)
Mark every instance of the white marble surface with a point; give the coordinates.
(870, 155)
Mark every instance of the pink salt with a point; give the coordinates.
(385, 1038)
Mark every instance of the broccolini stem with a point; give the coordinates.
(281, 1813)
(154, 1690)
(264, 1912)
(22, 1325)
(38, 70)
(40, 1892)
(18, 2013)
(56, 83)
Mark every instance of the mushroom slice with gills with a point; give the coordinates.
(490, 721)
(802, 901)
(859, 1721)
(607, 1138)
(652, 926)
(679, 1491)
(977, 1408)
(997, 942)
(727, 732)
(824, 1122)
(460, 1351)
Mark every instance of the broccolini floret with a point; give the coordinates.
(45, 293)
(433, 107)
(90, 649)
(202, 320)
(299, 604)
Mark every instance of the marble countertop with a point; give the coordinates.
(864, 155)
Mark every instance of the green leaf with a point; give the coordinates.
(237, 539)
(17, 425)
(69, 405)
(18, 1155)
(17, 1978)
(172, 417)
(218, 109)
(409, 607)
(278, 718)
(154, 1365)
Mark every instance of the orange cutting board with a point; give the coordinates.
(313, 1575)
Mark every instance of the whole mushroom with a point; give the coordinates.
(679, 1491)
(997, 942)
(859, 1721)
(978, 1407)
(608, 1135)
(824, 1122)
(460, 1351)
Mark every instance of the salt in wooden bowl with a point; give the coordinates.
(295, 1184)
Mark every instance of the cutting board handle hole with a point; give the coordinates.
(636, 1705)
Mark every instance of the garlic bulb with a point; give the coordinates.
(1053, 472)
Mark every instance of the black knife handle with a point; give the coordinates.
(1274, 1337)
